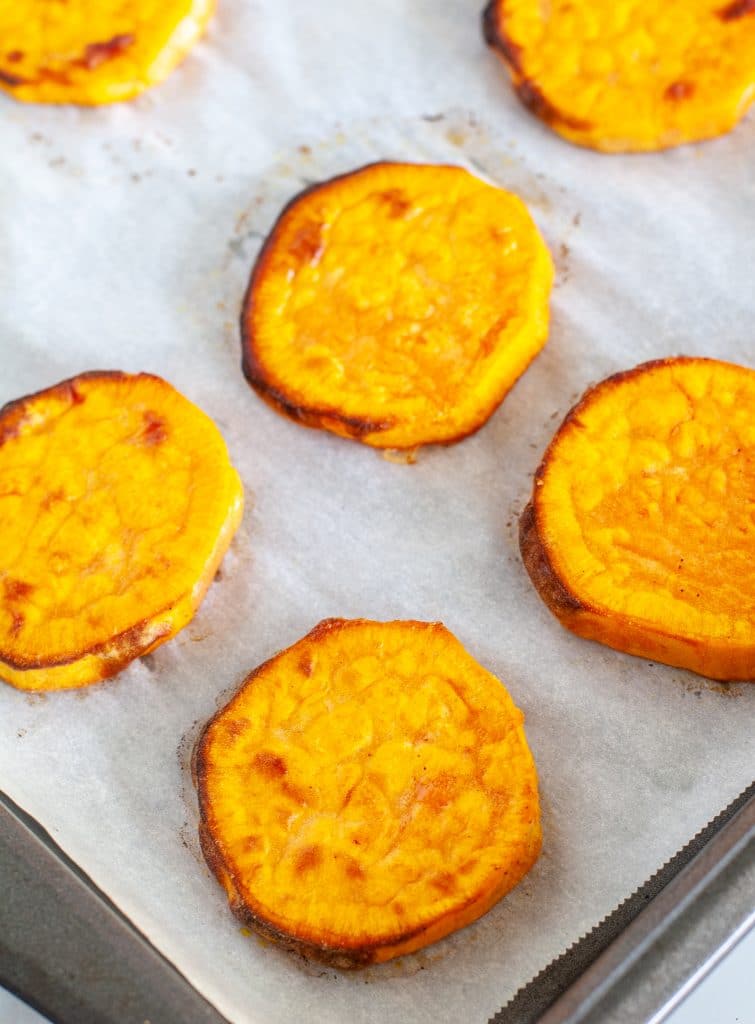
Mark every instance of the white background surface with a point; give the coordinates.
(128, 236)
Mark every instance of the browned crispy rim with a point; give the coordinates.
(356, 429)
(530, 94)
(251, 365)
(12, 81)
(345, 958)
(93, 55)
(551, 587)
(262, 381)
(736, 9)
(124, 646)
(13, 411)
(116, 653)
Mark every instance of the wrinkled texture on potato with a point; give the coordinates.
(629, 75)
(396, 304)
(94, 51)
(641, 529)
(117, 504)
(367, 791)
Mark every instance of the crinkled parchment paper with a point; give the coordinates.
(127, 238)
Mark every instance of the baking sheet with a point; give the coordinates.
(128, 235)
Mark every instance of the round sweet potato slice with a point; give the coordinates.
(629, 75)
(94, 51)
(366, 792)
(117, 504)
(641, 529)
(396, 304)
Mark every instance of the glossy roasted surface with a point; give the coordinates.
(117, 503)
(94, 51)
(641, 531)
(397, 304)
(367, 791)
(632, 75)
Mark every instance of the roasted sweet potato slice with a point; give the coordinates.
(117, 503)
(641, 529)
(366, 792)
(94, 51)
(396, 304)
(623, 75)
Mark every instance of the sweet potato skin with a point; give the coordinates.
(690, 78)
(381, 428)
(720, 658)
(94, 52)
(31, 666)
(320, 942)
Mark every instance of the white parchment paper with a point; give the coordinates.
(127, 238)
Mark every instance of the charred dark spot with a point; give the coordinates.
(14, 56)
(397, 203)
(444, 883)
(293, 793)
(737, 9)
(17, 622)
(491, 337)
(8, 79)
(307, 858)
(234, 728)
(353, 426)
(496, 38)
(10, 429)
(354, 869)
(680, 91)
(307, 245)
(98, 53)
(155, 430)
(534, 100)
(269, 764)
(75, 397)
(489, 24)
(17, 590)
(52, 498)
(305, 664)
(53, 75)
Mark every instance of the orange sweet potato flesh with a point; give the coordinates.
(117, 504)
(94, 51)
(396, 304)
(629, 75)
(366, 792)
(641, 529)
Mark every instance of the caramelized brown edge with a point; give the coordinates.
(735, 10)
(272, 393)
(344, 958)
(549, 585)
(251, 365)
(131, 643)
(530, 94)
(93, 56)
(552, 588)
